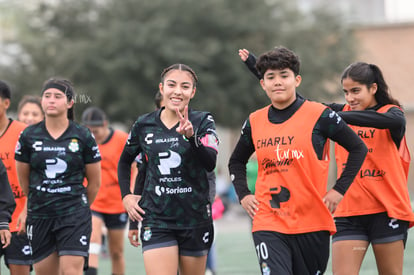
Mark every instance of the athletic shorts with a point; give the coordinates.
(191, 242)
(113, 221)
(67, 235)
(278, 253)
(374, 228)
(18, 252)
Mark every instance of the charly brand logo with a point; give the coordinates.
(148, 138)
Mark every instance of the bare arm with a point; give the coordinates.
(23, 173)
(93, 175)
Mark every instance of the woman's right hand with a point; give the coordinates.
(134, 211)
(250, 204)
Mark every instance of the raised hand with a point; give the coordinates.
(244, 54)
(185, 127)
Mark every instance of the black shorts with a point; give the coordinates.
(113, 221)
(374, 228)
(67, 235)
(278, 253)
(191, 242)
(18, 252)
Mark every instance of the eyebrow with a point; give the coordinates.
(175, 82)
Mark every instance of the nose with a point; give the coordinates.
(277, 81)
(178, 90)
(349, 97)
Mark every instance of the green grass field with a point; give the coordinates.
(235, 252)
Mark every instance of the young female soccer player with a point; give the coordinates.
(52, 159)
(377, 208)
(180, 145)
(291, 208)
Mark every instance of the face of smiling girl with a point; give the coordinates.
(359, 96)
(177, 89)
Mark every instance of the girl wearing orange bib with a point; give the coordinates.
(291, 209)
(376, 208)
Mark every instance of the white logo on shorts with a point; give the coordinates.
(392, 224)
(205, 237)
(83, 240)
(26, 250)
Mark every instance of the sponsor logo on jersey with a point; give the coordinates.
(148, 138)
(166, 140)
(160, 190)
(37, 145)
(334, 115)
(168, 161)
(54, 190)
(55, 166)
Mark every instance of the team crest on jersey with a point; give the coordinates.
(74, 145)
(147, 233)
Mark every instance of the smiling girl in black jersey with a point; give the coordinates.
(180, 145)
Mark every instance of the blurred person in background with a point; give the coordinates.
(107, 209)
(29, 110)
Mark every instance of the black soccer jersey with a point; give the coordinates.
(176, 189)
(57, 168)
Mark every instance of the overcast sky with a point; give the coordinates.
(399, 10)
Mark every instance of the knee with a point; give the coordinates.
(117, 255)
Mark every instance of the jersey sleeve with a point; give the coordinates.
(22, 151)
(205, 142)
(131, 150)
(91, 152)
(337, 130)
(238, 161)
(7, 203)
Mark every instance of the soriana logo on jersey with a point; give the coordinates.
(160, 190)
